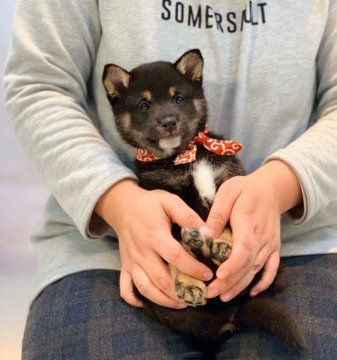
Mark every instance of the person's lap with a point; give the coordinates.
(82, 317)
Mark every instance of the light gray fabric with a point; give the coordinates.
(269, 75)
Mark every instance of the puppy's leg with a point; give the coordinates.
(222, 247)
(192, 291)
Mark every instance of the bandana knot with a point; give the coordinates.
(216, 146)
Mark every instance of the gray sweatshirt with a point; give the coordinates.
(270, 79)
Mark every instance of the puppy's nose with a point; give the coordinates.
(168, 123)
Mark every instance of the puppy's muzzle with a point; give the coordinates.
(168, 123)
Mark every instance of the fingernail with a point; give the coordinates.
(208, 232)
(225, 298)
(208, 275)
(222, 274)
(181, 306)
(212, 293)
(254, 293)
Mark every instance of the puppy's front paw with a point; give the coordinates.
(196, 242)
(222, 247)
(192, 291)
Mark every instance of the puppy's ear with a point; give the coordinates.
(115, 80)
(191, 65)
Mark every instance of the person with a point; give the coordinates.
(271, 83)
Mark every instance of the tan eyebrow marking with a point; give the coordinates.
(172, 90)
(147, 95)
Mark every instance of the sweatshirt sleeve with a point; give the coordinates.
(50, 61)
(313, 156)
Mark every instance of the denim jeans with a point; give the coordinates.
(82, 317)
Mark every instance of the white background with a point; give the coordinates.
(22, 197)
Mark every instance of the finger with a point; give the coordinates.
(180, 213)
(268, 275)
(222, 206)
(159, 275)
(229, 289)
(238, 287)
(148, 290)
(173, 253)
(170, 249)
(126, 290)
(243, 253)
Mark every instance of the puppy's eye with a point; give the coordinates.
(179, 99)
(144, 106)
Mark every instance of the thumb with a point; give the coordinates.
(221, 209)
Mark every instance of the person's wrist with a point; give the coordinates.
(279, 178)
(117, 199)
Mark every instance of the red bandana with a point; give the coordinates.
(220, 147)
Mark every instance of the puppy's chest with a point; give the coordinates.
(197, 181)
(206, 178)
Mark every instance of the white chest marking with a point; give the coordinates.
(204, 180)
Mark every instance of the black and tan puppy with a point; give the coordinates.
(160, 109)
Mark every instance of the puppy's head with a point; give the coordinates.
(158, 106)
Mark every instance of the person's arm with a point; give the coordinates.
(304, 173)
(52, 56)
(50, 61)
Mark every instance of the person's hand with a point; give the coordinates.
(252, 205)
(142, 220)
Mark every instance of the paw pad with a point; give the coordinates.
(193, 294)
(220, 252)
(196, 242)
